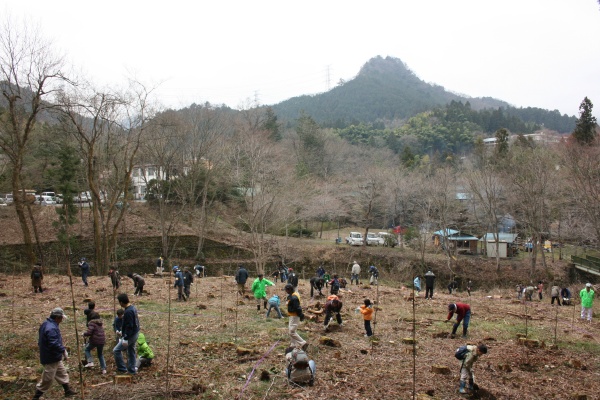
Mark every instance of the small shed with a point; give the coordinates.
(462, 243)
(506, 246)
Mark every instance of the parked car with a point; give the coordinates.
(355, 239)
(8, 198)
(373, 239)
(2, 202)
(388, 239)
(83, 197)
(51, 194)
(45, 200)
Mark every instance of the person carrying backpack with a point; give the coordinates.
(300, 369)
(467, 356)
(463, 313)
(335, 285)
(37, 276)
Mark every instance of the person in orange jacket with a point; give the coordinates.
(367, 312)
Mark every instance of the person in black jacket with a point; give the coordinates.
(52, 354)
(296, 315)
(241, 276)
(129, 332)
(138, 283)
(316, 283)
(85, 270)
(292, 278)
(429, 281)
(188, 279)
(115, 278)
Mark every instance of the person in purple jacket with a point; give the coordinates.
(52, 354)
(97, 340)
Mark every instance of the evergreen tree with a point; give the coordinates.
(65, 175)
(585, 130)
(502, 142)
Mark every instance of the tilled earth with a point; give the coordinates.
(218, 346)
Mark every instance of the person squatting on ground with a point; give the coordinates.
(138, 283)
(316, 283)
(429, 282)
(52, 354)
(355, 273)
(332, 306)
(565, 293)
(300, 368)
(259, 288)
(555, 293)
(374, 272)
(97, 340)
(296, 315)
(292, 278)
(115, 278)
(199, 269)
(188, 279)
(463, 313)
(528, 292)
(466, 367)
(129, 332)
(417, 284)
(145, 353)
(274, 302)
(179, 284)
(587, 302)
(37, 276)
(85, 270)
(367, 312)
(334, 284)
(241, 276)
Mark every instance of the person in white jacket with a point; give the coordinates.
(355, 273)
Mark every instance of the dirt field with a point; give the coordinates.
(206, 331)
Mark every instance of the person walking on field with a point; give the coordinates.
(463, 313)
(540, 289)
(37, 276)
(355, 274)
(587, 301)
(466, 367)
(179, 284)
(296, 315)
(367, 312)
(417, 284)
(429, 281)
(241, 276)
(85, 270)
(52, 354)
(188, 279)
(259, 288)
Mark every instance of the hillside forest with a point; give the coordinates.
(267, 175)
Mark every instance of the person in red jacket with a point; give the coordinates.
(463, 313)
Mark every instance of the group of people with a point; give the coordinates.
(127, 333)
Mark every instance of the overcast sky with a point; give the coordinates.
(538, 53)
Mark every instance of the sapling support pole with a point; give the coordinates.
(414, 344)
(12, 301)
(555, 324)
(167, 391)
(221, 305)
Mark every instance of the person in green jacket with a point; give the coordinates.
(259, 288)
(145, 353)
(587, 301)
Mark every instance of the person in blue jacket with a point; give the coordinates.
(274, 302)
(85, 270)
(179, 284)
(52, 354)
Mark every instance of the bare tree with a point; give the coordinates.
(109, 127)
(30, 72)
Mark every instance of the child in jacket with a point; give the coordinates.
(367, 312)
(145, 353)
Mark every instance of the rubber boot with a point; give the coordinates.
(464, 333)
(265, 305)
(68, 391)
(38, 394)
(462, 387)
(258, 307)
(471, 384)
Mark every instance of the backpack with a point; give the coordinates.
(37, 274)
(461, 352)
(299, 359)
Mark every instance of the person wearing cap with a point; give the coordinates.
(355, 273)
(463, 313)
(179, 284)
(466, 367)
(85, 270)
(429, 282)
(241, 276)
(259, 288)
(52, 354)
(587, 301)
(292, 278)
(296, 315)
(129, 334)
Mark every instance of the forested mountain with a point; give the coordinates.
(385, 90)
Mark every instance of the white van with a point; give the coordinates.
(355, 239)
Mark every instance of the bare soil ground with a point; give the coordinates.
(201, 338)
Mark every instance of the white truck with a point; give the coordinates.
(355, 239)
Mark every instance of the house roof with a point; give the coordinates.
(463, 237)
(446, 232)
(503, 237)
